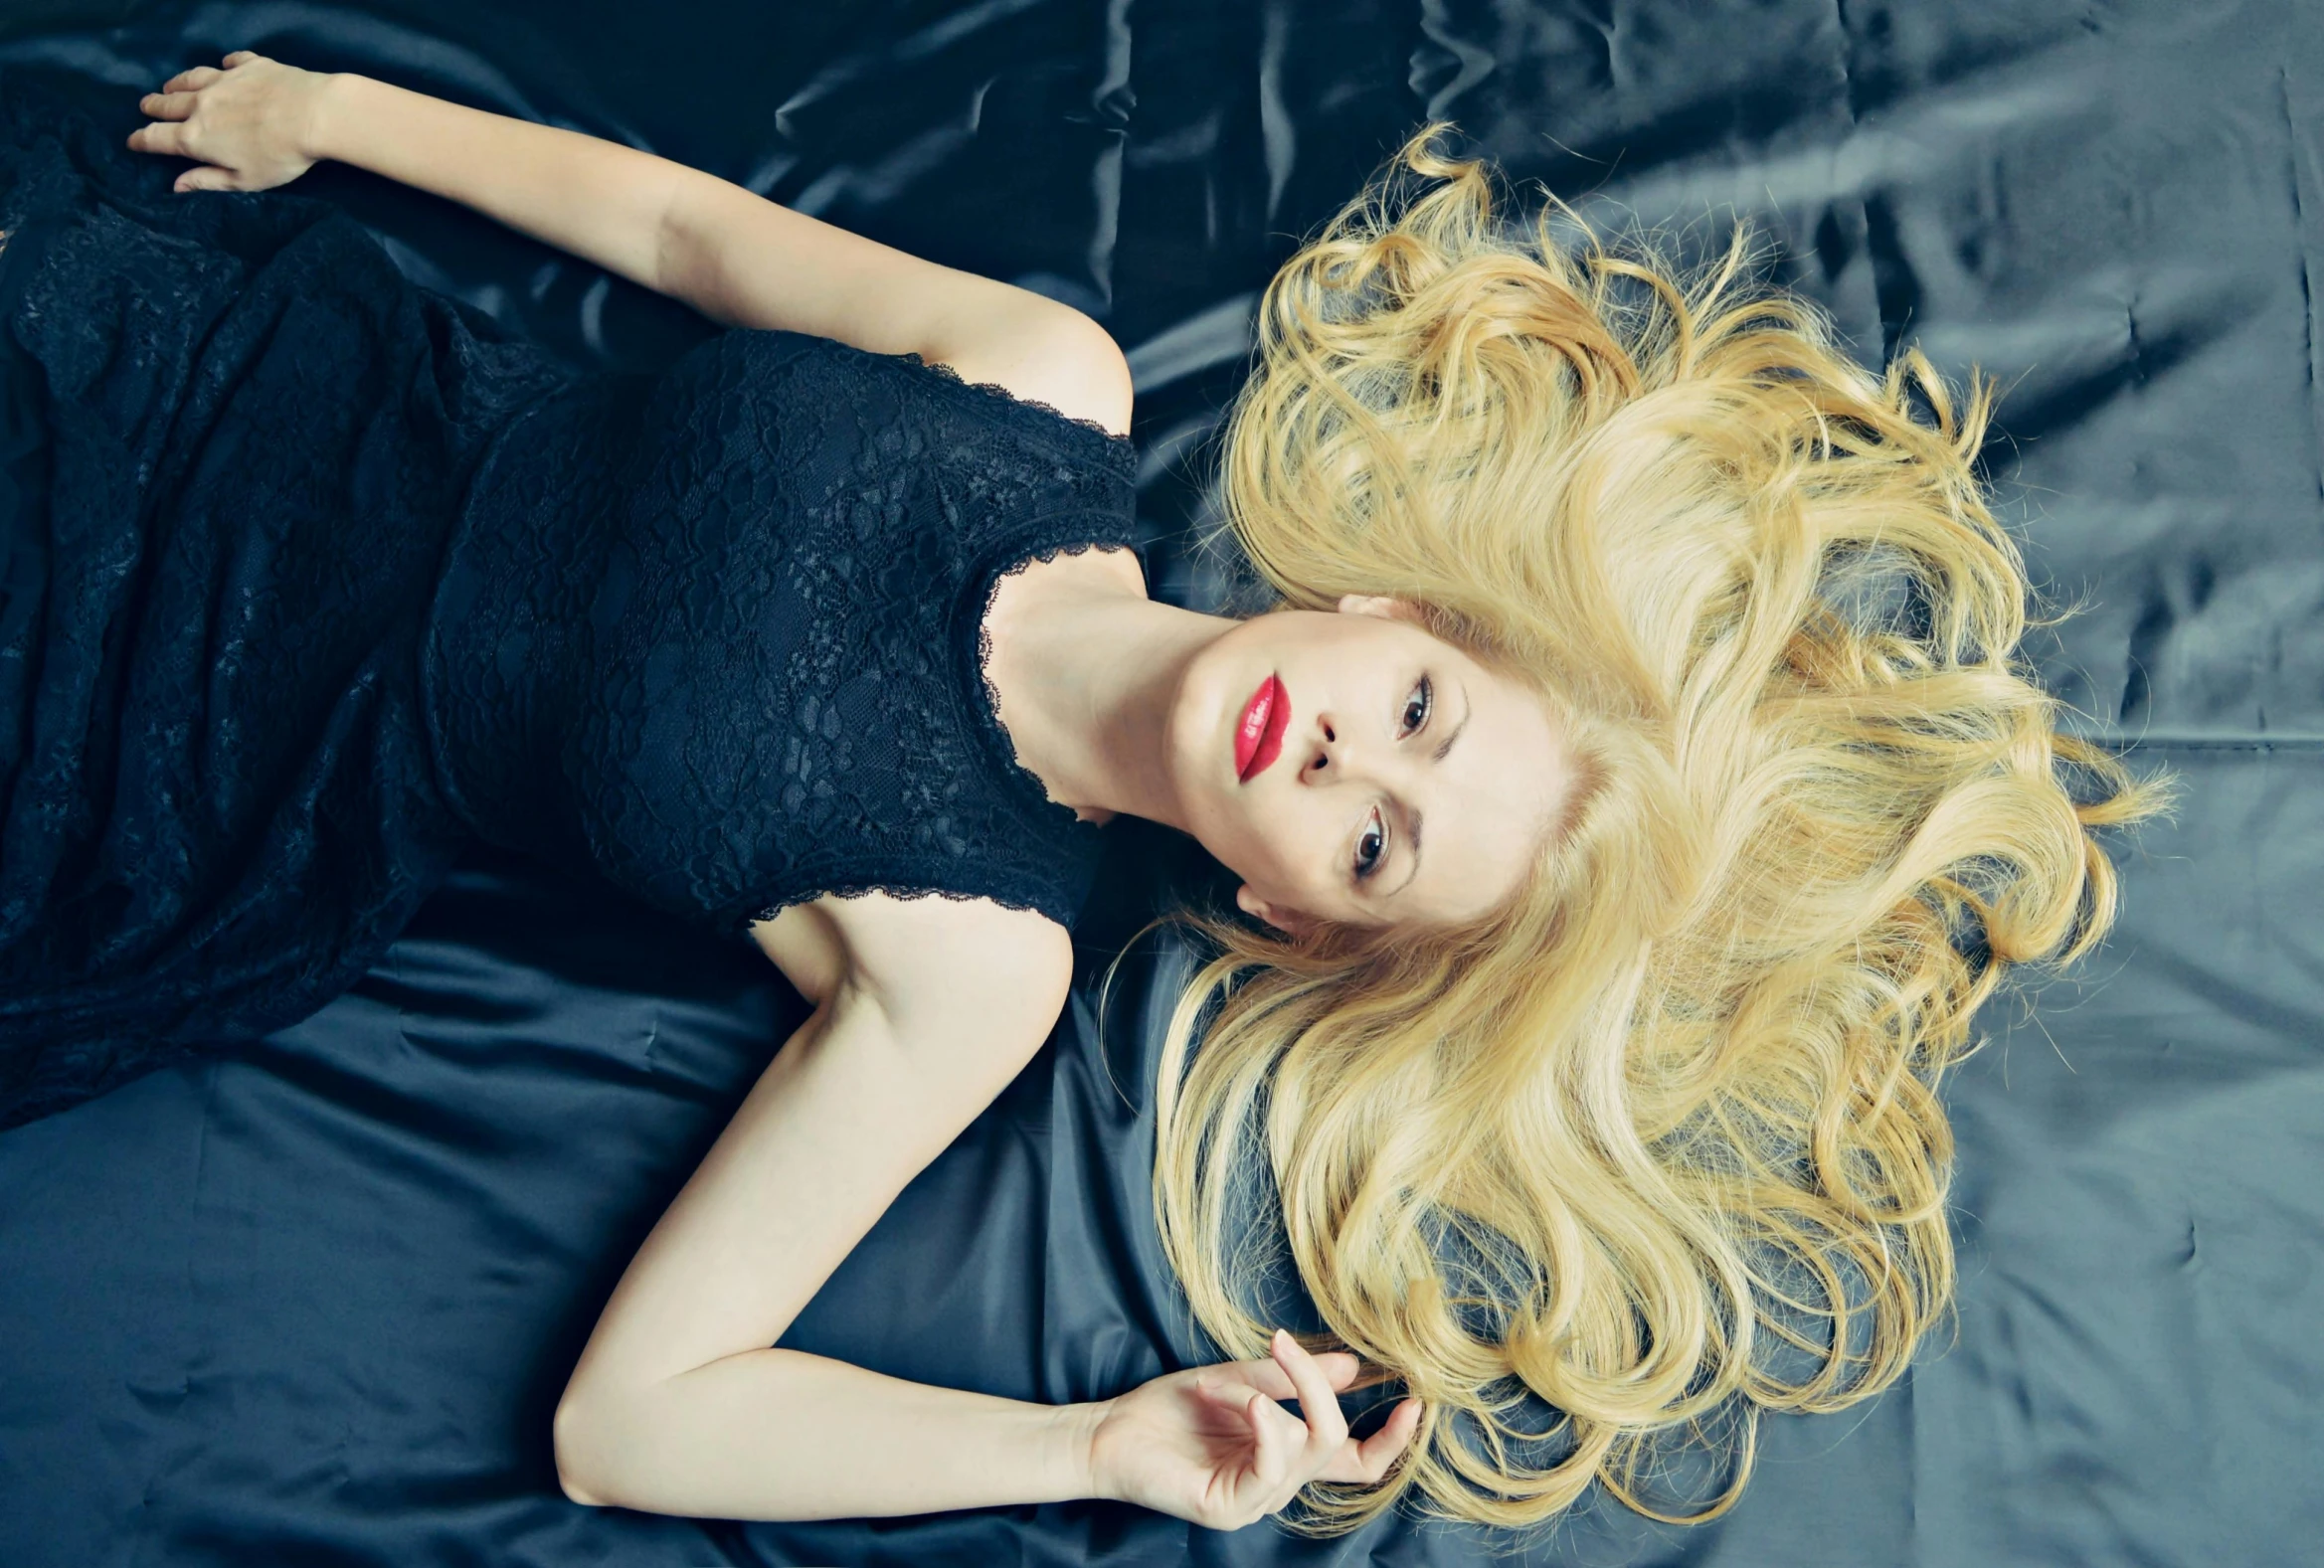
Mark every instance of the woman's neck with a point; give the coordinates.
(1087, 670)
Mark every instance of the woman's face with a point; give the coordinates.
(1352, 768)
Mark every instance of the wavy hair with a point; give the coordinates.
(1657, 1145)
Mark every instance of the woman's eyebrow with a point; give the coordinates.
(1412, 832)
(1444, 745)
(1412, 814)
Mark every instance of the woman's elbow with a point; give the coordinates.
(578, 1437)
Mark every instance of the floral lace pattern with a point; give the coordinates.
(721, 635)
(232, 445)
(308, 577)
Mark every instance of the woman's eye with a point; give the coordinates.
(1417, 705)
(1370, 845)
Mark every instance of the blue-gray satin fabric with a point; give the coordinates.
(314, 1302)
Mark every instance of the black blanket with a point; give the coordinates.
(313, 1302)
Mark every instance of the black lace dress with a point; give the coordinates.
(311, 577)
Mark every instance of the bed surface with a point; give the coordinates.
(313, 1302)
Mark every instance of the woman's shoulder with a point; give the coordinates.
(925, 956)
(1069, 365)
(1063, 373)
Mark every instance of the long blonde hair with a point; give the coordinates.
(1657, 1145)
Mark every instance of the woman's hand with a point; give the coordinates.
(251, 125)
(1212, 1446)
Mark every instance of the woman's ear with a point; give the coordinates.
(1385, 606)
(1288, 921)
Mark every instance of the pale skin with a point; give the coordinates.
(1412, 782)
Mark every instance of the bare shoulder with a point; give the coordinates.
(1063, 358)
(924, 959)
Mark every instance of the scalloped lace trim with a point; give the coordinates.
(897, 889)
(991, 711)
(1122, 450)
(995, 389)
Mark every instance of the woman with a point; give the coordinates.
(1625, 1059)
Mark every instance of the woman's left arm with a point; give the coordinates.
(740, 259)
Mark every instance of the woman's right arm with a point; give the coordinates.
(679, 1405)
(926, 1007)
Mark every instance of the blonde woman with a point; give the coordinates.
(1631, 800)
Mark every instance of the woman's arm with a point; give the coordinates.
(678, 1406)
(597, 198)
(740, 259)
(736, 257)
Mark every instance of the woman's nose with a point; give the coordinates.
(1327, 754)
(1320, 747)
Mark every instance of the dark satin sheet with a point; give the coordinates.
(313, 1302)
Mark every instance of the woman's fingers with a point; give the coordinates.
(1265, 1376)
(169, 137)
(241, 57)
(1317, 1401)
(1367, 1461)
(1381, 1449)
(1232, 1397)
(1287, 1452)
(192, 79)
(165, 136)
(1275, 1442)
(168, 105)
(1340, 1369)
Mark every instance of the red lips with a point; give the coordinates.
(1259, 734)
